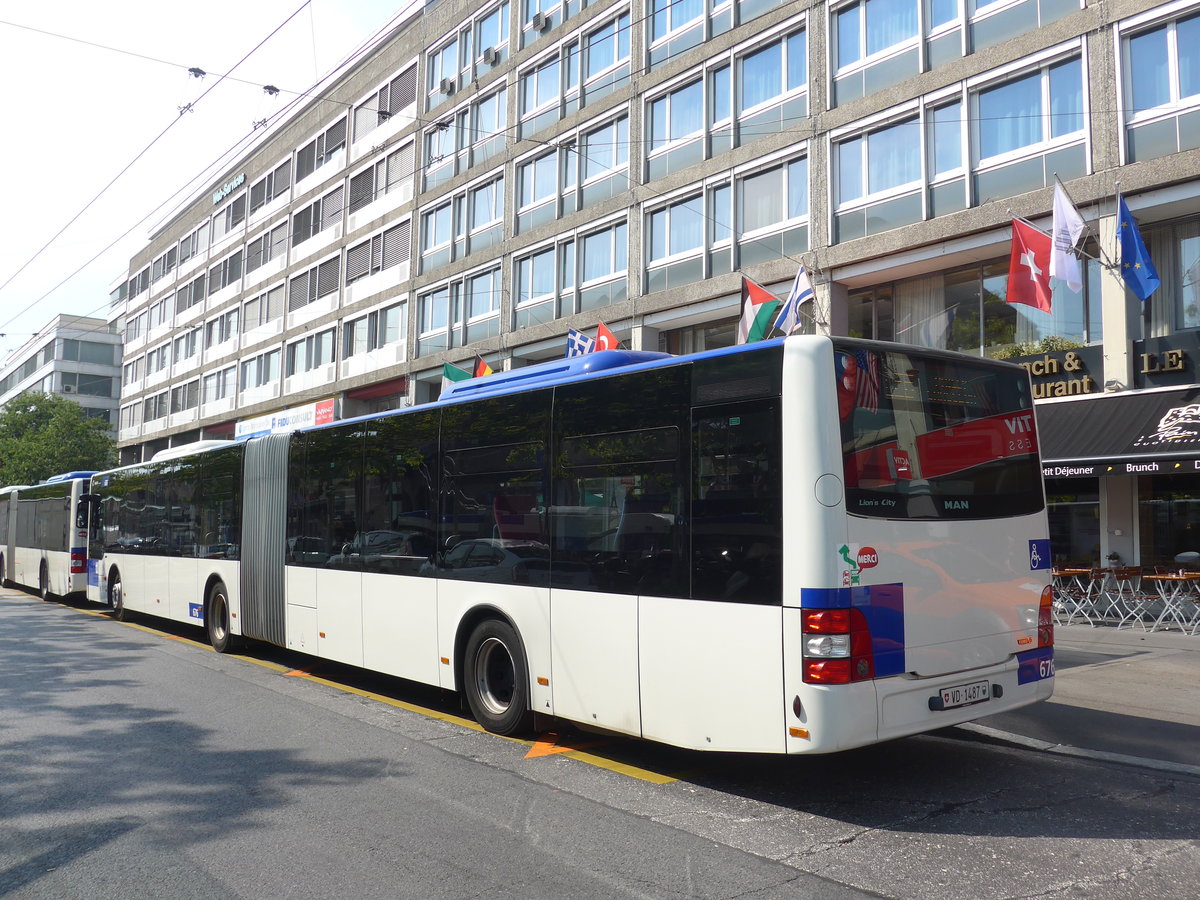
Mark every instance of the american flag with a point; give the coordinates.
(578, 343)
(867, 392)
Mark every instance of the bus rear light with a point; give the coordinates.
(837, 646)
(1046, 618)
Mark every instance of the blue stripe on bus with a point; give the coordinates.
(882, 605)
(1035, 665)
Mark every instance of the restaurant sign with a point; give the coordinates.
(1164, 361)
(1064, 373)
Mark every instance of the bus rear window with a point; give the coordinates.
(935, 437)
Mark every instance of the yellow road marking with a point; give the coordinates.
(538, 747)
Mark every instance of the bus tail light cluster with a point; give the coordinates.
(1046, 618)
(78, 561)
(837, 646)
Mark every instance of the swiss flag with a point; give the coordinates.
(1029, 267)
(605, 340)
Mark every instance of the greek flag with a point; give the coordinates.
(579, 344)
(789, 314)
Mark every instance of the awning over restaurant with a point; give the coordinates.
(1138, 433)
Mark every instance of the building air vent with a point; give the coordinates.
(540, 22)
(490, 56)
(447, 86)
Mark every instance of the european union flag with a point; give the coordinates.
(1136, 268)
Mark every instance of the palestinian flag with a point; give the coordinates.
(758, 312)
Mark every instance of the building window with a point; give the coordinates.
(88, 385)
(690, 123)
(131, 373)
(321, 149)
(263, 309)
(221, 329)
(389, 100)
(269, 245)
(437, 232)
(185, 397)
(437, 310)
(186, 346)
(194, 244)
(490, 124)
(87, 351)
(1161, 88)
(261, 370)
(317, 283)
(164, 265)
(381, 178)
(317, 217)
(585, 271)
(218, 386)
(154, 407)
(312, 352)
(772, 213)
(679, 234)
(138, 283)
(772, 87)
(1029, 128)
(374, 330)
(276, 182)
(228, 271)
(158, 359)
(383, 251)
(229, 218)
(491, 37)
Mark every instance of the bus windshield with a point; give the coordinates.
(931, 437)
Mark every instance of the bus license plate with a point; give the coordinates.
(966, 694)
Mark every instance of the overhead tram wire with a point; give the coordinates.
(128, 166)
(364, 47)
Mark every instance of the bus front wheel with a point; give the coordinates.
(496, 678)
(116, 597)
(216, 619)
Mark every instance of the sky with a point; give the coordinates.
(91, 92)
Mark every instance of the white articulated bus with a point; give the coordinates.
(802, 545)
(43, 535)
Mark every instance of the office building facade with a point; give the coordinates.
(490, 175)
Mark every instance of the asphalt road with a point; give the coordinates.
(137, 763)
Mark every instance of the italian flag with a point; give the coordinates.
(451, 374)
(758, 311)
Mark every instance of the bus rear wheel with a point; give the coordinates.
(116, 597)
(496, 678)
(44, 582)
(216, 619)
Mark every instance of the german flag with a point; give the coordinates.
(481, 367)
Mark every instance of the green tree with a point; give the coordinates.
(44, 434)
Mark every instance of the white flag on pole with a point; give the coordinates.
(1068, 226)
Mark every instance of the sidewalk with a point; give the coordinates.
(1124, 692)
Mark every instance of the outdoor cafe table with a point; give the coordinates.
(1178, 592)
(1073, 589)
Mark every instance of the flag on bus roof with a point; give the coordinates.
(605, 339)
(1068, 226)
(1136, 268)
(452, 374)
(578, 343)
(481, 367)
(758, 311)
(1029, 267)
(788, 319)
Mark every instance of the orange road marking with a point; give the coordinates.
(548, 744)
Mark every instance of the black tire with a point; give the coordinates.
(44, 582)
(3, 572)
(116, 597)
(496, 678)
(216, 619)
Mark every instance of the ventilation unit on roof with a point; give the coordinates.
(447, 86)
(540, 22)
(490, 56)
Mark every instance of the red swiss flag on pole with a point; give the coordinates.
(1029, 267)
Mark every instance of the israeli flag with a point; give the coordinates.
(578, 343)
(789, 314)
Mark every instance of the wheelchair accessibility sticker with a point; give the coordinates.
(1039, 554)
